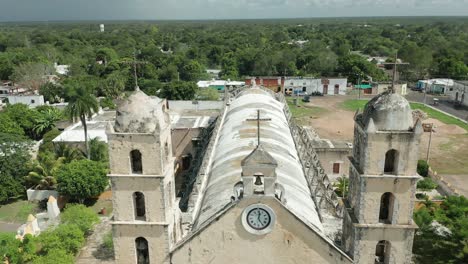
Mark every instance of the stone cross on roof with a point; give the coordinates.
(258, 119)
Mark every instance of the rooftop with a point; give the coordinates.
(237, 139)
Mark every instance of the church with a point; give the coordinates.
(259, 194)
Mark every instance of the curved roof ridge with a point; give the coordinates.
(238, 138)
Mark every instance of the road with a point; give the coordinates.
(445, 104)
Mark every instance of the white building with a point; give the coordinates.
(31, 100)
(459, 94)
(62, 69)
(101, 28)
(220, 85)
(325, 86)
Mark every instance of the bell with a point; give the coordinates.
(258, 180)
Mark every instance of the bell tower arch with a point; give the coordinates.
(383, 181)
(142, 175)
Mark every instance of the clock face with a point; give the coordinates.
(258, 218)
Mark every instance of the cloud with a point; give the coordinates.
(221, 9)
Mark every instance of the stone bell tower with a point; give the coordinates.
(142, 178)
(378, 225)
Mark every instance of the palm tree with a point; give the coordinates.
(67, 153)
(41, 176)
(82, 104)
(47, 120)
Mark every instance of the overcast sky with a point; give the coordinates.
(42, 10)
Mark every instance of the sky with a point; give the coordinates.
(50, 10)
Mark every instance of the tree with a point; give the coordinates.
(191, 71)
(51, 92)
(178, 90)
(114, 85)
(98, 150)
(81, 216)
(208, 94)
(82, 105)
(46, 120)
(56, 256)
(443, 232)
(14, 160)
(31, 75)
(8, 126)
(82, 179)
(24, 117)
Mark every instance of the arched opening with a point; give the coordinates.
(142, 250)
(136, 163)
(391, 158)
(387, 202)
(456, 97)
(462, 100)
(382, 252)
(139, 205)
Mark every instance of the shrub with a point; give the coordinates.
(82, 179)
(81, 216)
(423, 168)
(47, 144)
(56, 256)
(107, 103)
(427, 184)
(108, 242)
(67, 237)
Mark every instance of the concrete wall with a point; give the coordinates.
(124, 242)
(189, 105)
(39, 195)
(367, 237)
(459, 94)
(226, 241)
(316, 85)
(328, 157)
(30, 100)
(374, 148)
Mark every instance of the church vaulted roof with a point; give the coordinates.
(238, 138)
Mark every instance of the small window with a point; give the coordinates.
(304, 89)
(142, 251)
(136, 162)
(387, 202)
(390, 162)
(382, 252)
(139, 204)
(336, 168)
(33, 101)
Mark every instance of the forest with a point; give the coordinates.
(169, 57)
(176, 54)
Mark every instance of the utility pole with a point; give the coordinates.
(395, 64)
(429, 145)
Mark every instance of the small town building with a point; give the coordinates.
(220, 85)
(310, 86)
(30, 100)
(436, 86)
(213, 73)
(459, 93)
(333, 155)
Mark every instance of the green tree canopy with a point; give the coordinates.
(82, 179)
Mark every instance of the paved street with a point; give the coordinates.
(445, 103)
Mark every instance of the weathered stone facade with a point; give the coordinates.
(378, 225)
(142, 178)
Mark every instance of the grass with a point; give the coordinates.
(354, 104)
(17, 212)
(302, 110)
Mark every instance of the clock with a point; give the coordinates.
(258, 219)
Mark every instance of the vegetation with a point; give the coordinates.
(443, 232)
(208, 94)
(55, 245)
(14, 165)
(82, 104)
(423, 168)
(426, 184)
(17, 212)
(81, 216)
(341, 186)
(82, 179)
(302, 110)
